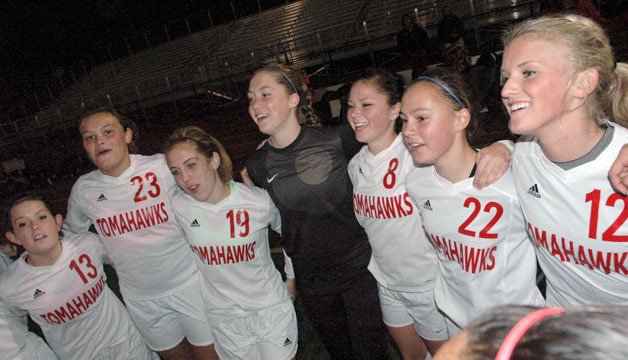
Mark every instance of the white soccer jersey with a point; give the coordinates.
(230, 240)
(485, 256)
(16, 342)
(578, 224)
(134, 219)
(78, 314)
(402, 258)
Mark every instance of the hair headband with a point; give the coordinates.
(286, 77)
(444, 87)
(515, 334)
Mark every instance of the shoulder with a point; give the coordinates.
(157, 161)
(181, 200)
(419, 176)
(357, 159)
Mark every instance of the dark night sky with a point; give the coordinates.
(38, 35)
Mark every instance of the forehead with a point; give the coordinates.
(535, 47)
(418, 93)
(264, 78)
(370, 86)
(27, 207)
(186, 147)
(98, 120)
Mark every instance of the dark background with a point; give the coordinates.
(41, 37)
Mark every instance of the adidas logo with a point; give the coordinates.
(427, 205)
(287, 342)
(38, 293)
(534, 191)
(195, 223)
(102, 197)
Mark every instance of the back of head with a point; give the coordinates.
(294, 82)
(580, 333)
(586, 46)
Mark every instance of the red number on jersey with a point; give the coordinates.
(477, 206)
(608, 234)
(241, 219)
(390, 178)
(153, 192)
(85, 260)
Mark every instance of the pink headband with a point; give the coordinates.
(515, 334)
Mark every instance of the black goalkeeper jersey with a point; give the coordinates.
(310, 185)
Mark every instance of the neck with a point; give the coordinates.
(569, 138)
(219, 193)
(457, 163)
(383, 143)
(119, 169)
(286, 135)
(45, 259)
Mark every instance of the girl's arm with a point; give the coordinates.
(492, 162)
(75, 220)
(618, 173)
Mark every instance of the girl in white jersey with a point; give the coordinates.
(16, 342)
(61, 285)
(484, 255)
(128, 200)
(226, 224)
(404, 266)
(565, 93)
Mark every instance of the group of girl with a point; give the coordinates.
(398, 230)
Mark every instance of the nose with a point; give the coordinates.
(508, 88)
(408, 128)
(354, 112)
(254, 103)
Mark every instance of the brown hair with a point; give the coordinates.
(587, 46)
(293, 81)
(206, 145)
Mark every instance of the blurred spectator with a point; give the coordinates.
(413, 44)
(451, 38)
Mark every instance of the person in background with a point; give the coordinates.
(413, 44)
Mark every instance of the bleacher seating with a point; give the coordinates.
(304, 33)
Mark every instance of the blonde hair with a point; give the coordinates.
(587, 46)
(293, 82)
(205, 145)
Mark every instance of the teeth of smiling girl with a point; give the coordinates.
(519, 106)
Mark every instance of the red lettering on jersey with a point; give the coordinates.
(222, 254)
(383, 207)
(133, 220)
(76, 306)
(471, 259)
(565, 251)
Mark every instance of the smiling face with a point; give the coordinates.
(429, 123)
(270, 105)
(371, 116)
(537, 84)
(37, 230)
(196, 173)
(106, 143)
